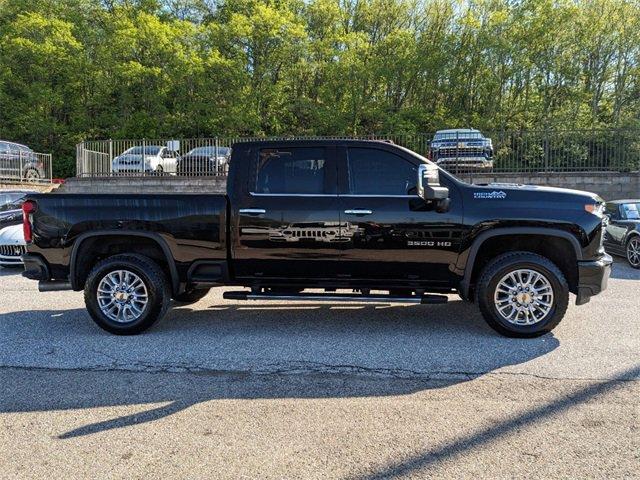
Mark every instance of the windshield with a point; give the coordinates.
(10, 201)
(150, 150)
(210, 150)
(631, 211)
(458, 136)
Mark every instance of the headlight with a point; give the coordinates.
(596, 208)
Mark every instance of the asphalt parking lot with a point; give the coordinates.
(223, 389)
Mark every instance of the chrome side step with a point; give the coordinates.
(335, 297)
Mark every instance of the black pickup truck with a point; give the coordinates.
(370, 217)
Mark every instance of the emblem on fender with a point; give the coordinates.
(495, 194)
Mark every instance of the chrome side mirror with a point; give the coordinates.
(429, 187)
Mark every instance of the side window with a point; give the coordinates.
(611, 209)
(291, 170)
(630, 211)
(4, 148)
(378, 172)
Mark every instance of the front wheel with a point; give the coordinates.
(633, 251)
(522, 294)
(126, 294)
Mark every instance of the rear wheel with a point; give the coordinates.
(126, 294)
(633, 251)
(32, 175)
(522, 294)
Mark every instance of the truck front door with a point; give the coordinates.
(394, 234)
(287, 225)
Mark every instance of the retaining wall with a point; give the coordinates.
(610, 186)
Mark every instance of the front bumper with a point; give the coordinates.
(592, 278)
(479, 163)
(6, 261)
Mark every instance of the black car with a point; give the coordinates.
(18, 161)
(207, 160)
(622, 234)
(10, 207)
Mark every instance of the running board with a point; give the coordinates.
(53, 285)
(335, 297)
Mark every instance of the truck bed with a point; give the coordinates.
(192, 227)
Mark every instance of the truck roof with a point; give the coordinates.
(313, 141)
(459, 130)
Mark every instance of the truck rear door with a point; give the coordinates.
(286, 226)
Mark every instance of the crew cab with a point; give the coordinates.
(369, 217)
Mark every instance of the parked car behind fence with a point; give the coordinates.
(514, 151)
(207, 160)
(20, 163)
(462, 149)
(146, 159)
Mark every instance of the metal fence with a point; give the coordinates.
(25, 167)
(458, 151)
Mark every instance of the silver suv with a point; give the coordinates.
(461, 149)
(19, 162)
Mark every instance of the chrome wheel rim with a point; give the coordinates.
(633, 252)
(122, 296)
(523, 297)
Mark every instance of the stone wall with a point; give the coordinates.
(610, 186)
(166, 184)
(36, 187)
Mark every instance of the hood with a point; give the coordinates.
(546, 193)
(197, 156)
(132, 158)
(12, 235)
(11, 217)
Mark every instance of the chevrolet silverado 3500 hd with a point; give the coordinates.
(324, 215)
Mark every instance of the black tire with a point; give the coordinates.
(191, 296)
(636, 242)
(155, 282)
(32, 175)
(500, 266)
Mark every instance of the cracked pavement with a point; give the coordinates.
(228, 389)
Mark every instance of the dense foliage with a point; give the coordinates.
(75, 69)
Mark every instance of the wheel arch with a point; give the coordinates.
(630, 235)
(78, 270)
(471, 269)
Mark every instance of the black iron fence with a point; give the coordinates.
(459, 151)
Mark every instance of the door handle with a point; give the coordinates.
(358, 211)
(253, 211)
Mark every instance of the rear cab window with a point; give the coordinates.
(291, 170)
